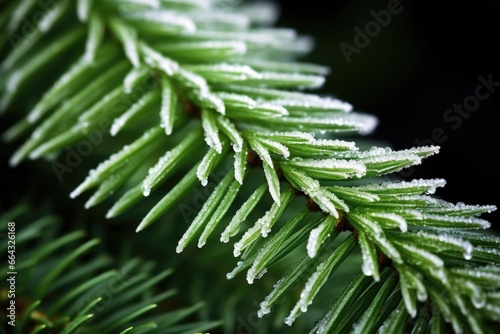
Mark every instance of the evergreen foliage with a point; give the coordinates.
(199, 91)
(66, 286)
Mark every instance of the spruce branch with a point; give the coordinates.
(65, 285)
(173, 74)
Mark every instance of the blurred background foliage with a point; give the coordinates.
(424, 61)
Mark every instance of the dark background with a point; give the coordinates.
(427, 59)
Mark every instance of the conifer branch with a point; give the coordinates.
(199, 88)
